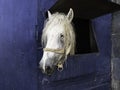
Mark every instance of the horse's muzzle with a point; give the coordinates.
(48, 70)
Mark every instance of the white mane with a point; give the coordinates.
(60, 18)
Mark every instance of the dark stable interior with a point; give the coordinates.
(84, 11)
(85, 37)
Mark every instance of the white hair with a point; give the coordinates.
(60, 18)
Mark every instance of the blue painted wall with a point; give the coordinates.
(17, 45)
(21, 24)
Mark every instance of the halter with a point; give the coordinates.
(60, 51)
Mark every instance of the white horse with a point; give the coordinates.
(58, 41)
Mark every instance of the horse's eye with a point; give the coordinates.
(61, 36)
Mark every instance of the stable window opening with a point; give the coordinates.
(85, 36)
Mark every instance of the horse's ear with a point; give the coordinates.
(70, 14)
(49, 14)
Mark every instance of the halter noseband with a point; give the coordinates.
(59, 51)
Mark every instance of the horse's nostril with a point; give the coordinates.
(60, 69)
(48, 68)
